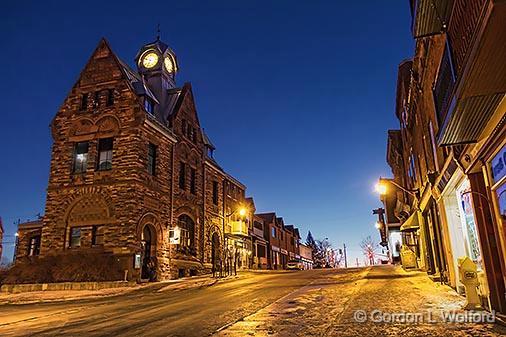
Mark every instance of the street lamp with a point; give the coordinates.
(378, 225)
(231, 251)
(381, 188)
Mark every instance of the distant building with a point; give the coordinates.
(283, 241)
(28, 239)
(306, 256)
(259, 243)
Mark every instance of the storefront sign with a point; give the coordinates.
(284, 251)
(499, 165)
(275, 249)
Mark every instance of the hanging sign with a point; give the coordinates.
(175, 236)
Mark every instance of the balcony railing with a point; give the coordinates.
(239, 228)
(258, 232)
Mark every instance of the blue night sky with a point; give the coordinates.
(296, 95)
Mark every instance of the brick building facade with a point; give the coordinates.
(451, 144)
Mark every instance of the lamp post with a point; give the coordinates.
(382, 189)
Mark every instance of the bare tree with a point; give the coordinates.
(369, 248)
(323, 249)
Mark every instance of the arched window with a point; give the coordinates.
(187, 233)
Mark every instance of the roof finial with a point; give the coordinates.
(158, 33)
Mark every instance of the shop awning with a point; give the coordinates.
(466, 122)
(413, 222)
(430, 17)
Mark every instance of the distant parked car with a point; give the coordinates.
(295, 265)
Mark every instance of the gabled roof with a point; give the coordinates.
(250, 202)
(268, 217)
(184, 92)
(296, 232)
(157, 45)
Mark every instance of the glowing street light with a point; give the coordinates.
(381, 188)
(378, 225)
(242, 212)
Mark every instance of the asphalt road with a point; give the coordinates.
(306, 303)
(191, 312)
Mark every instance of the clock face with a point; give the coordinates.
(169, 64)
(150, 60)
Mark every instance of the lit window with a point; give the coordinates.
(152, 159)
(97, 235)
(187, 227)
(80, 157)
(34, 246)
(105, 154)
(75, 237)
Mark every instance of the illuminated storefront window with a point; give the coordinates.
(498, 167)
(464, 196)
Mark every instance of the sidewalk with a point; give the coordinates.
(72, 295)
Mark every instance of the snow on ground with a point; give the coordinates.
(412, 303)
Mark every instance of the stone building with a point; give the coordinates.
(132, 173)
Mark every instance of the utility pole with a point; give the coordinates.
(345, 260)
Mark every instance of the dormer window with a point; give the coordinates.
(148, 105)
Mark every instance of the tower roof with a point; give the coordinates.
(162, 47)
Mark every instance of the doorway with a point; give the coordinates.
(215, 252)
(148, 244)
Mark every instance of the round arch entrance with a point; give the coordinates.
(215, 252)
(148, 244)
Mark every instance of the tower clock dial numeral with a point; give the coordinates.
(150, 60)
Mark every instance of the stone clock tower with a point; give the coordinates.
(157, 65)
